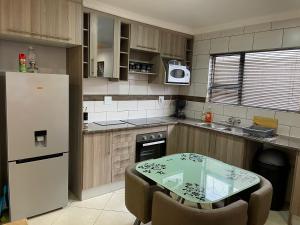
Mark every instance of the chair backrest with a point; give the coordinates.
(138, 195)
(260, 203)
(167, 211)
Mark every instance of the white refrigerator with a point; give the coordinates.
(36, 133)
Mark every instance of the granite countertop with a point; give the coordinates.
(280, 141)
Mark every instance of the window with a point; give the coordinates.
(259, 79)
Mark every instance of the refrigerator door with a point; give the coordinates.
(37, 187)
(37, 114)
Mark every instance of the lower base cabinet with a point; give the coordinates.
(96, 159)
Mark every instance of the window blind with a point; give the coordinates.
(269, 79)
(224, 82)
(272, 80)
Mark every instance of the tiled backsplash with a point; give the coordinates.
(118, 110)
(121, 110)
(273, 35)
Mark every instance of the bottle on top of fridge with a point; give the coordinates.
(22, 63)
(32, 64)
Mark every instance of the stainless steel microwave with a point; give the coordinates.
(177, 73)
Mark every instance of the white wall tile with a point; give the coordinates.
(186, 90)
(283, 130)
(138, 87)
(171, 90)
(127, 105)
(288, 118)
(118, 88)
(117, 115)
(231, 32)
(201, 47)
(295, 132)
(260, 112)
(291, 37)
(235, 111)
(146, 104)
(166, 104)
(215, 108)
(137, 76)
(219, 118)
(286, 23)
(202, 62)
(241, 43)
(155, 113)
(268, 40)
(156, 89)
(195, 106)
(101, 107)
(95, 86)
(200, 76)
(137, 114)
(89, 106)
(257, 28)
(219, 45)
(199, 90)
(94, 117)
(189, 114)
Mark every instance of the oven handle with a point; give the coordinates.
(154, 143)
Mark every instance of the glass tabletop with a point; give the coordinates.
(197, 178)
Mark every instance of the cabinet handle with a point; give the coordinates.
(37, 34)
(92, 65)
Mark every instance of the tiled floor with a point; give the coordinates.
(108, 209)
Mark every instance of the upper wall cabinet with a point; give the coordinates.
(104, 45)
(56, 21)
(144, 37)
(173, 45)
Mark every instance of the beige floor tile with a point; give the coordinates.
(94, 203)
(276, 218)
(78, 216)
(115, 218)
(117, 202)
(46, 219)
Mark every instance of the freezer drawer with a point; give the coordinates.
(37, 108)
(38, 187)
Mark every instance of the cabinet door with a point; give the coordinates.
(144, 37)
(75, 22)
(20, 17)
(96, 160)
(172, 139)
(123, 153)
(172, 45)
(201, 141)
(55, 19)
(227, 148)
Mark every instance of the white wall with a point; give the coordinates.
(49, 59)
(274, 35)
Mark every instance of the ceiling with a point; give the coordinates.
(205, 15)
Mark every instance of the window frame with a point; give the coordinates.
(240, 76)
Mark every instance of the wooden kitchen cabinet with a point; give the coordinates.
(173, 45)
(172, 139)
(55, 21)
(227, 148)
(144, 37)
(96, 159)
(123, 153)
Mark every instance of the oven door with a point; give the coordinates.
(178, 74)
(150, 150)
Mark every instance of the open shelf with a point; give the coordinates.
(86, 45)
(124, 51)
(189, 52)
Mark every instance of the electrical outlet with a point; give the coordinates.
(107, 100)
(161, 100)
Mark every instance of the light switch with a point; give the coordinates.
(107, 100)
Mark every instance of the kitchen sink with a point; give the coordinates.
(221, 127)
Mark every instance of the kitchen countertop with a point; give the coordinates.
(280, 141)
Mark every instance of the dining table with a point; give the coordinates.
(197, 178)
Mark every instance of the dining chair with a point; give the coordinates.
(167, 211)
(260, 203)
(138, 195)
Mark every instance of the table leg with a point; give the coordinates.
(199, 206)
